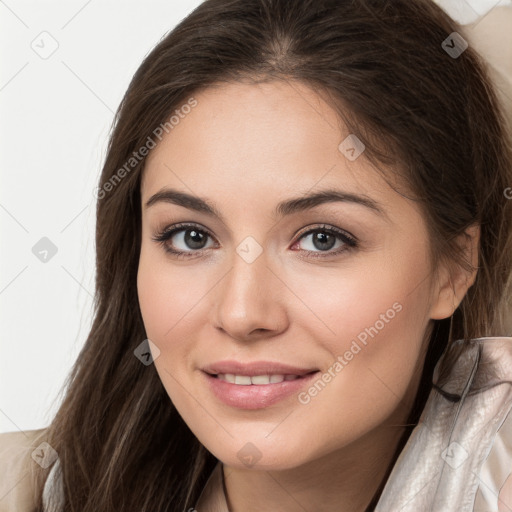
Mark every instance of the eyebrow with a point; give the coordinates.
(288, 207)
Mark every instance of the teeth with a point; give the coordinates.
(242, 379)
(245, 380)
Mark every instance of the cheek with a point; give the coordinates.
(380, 301)
(167, 293)
(373, 323)
(154, 293)
(167, 296)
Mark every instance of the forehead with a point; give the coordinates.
(262, 140)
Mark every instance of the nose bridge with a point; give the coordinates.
(246, 300)
(247, 276)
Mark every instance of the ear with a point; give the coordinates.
(455, 280)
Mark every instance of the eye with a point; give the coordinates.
(184, 235)
(191, 240)
(324, 238)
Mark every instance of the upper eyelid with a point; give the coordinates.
(183, 226)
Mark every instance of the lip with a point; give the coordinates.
(256, 368)
(255, 396)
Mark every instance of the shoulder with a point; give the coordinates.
(23, 455)
(491, 35)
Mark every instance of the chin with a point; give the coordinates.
(260, 454)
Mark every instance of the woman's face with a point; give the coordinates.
(340, 286)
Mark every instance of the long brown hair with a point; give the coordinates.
(433, 117)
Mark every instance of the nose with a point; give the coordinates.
(249, 301)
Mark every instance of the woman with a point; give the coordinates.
(302, 214)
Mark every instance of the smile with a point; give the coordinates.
(255, 391)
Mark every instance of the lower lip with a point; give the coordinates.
(255, 396)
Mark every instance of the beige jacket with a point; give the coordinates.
(20, 461)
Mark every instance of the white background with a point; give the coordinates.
(55, 116)
(56, 111)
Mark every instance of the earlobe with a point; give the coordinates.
(456, 279)
(445, 302)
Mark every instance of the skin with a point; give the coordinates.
(505, 496)
(245, 148)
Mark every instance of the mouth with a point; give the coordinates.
(259, 390)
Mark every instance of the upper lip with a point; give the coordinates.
(255, 368)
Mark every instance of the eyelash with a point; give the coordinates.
(163, 236)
